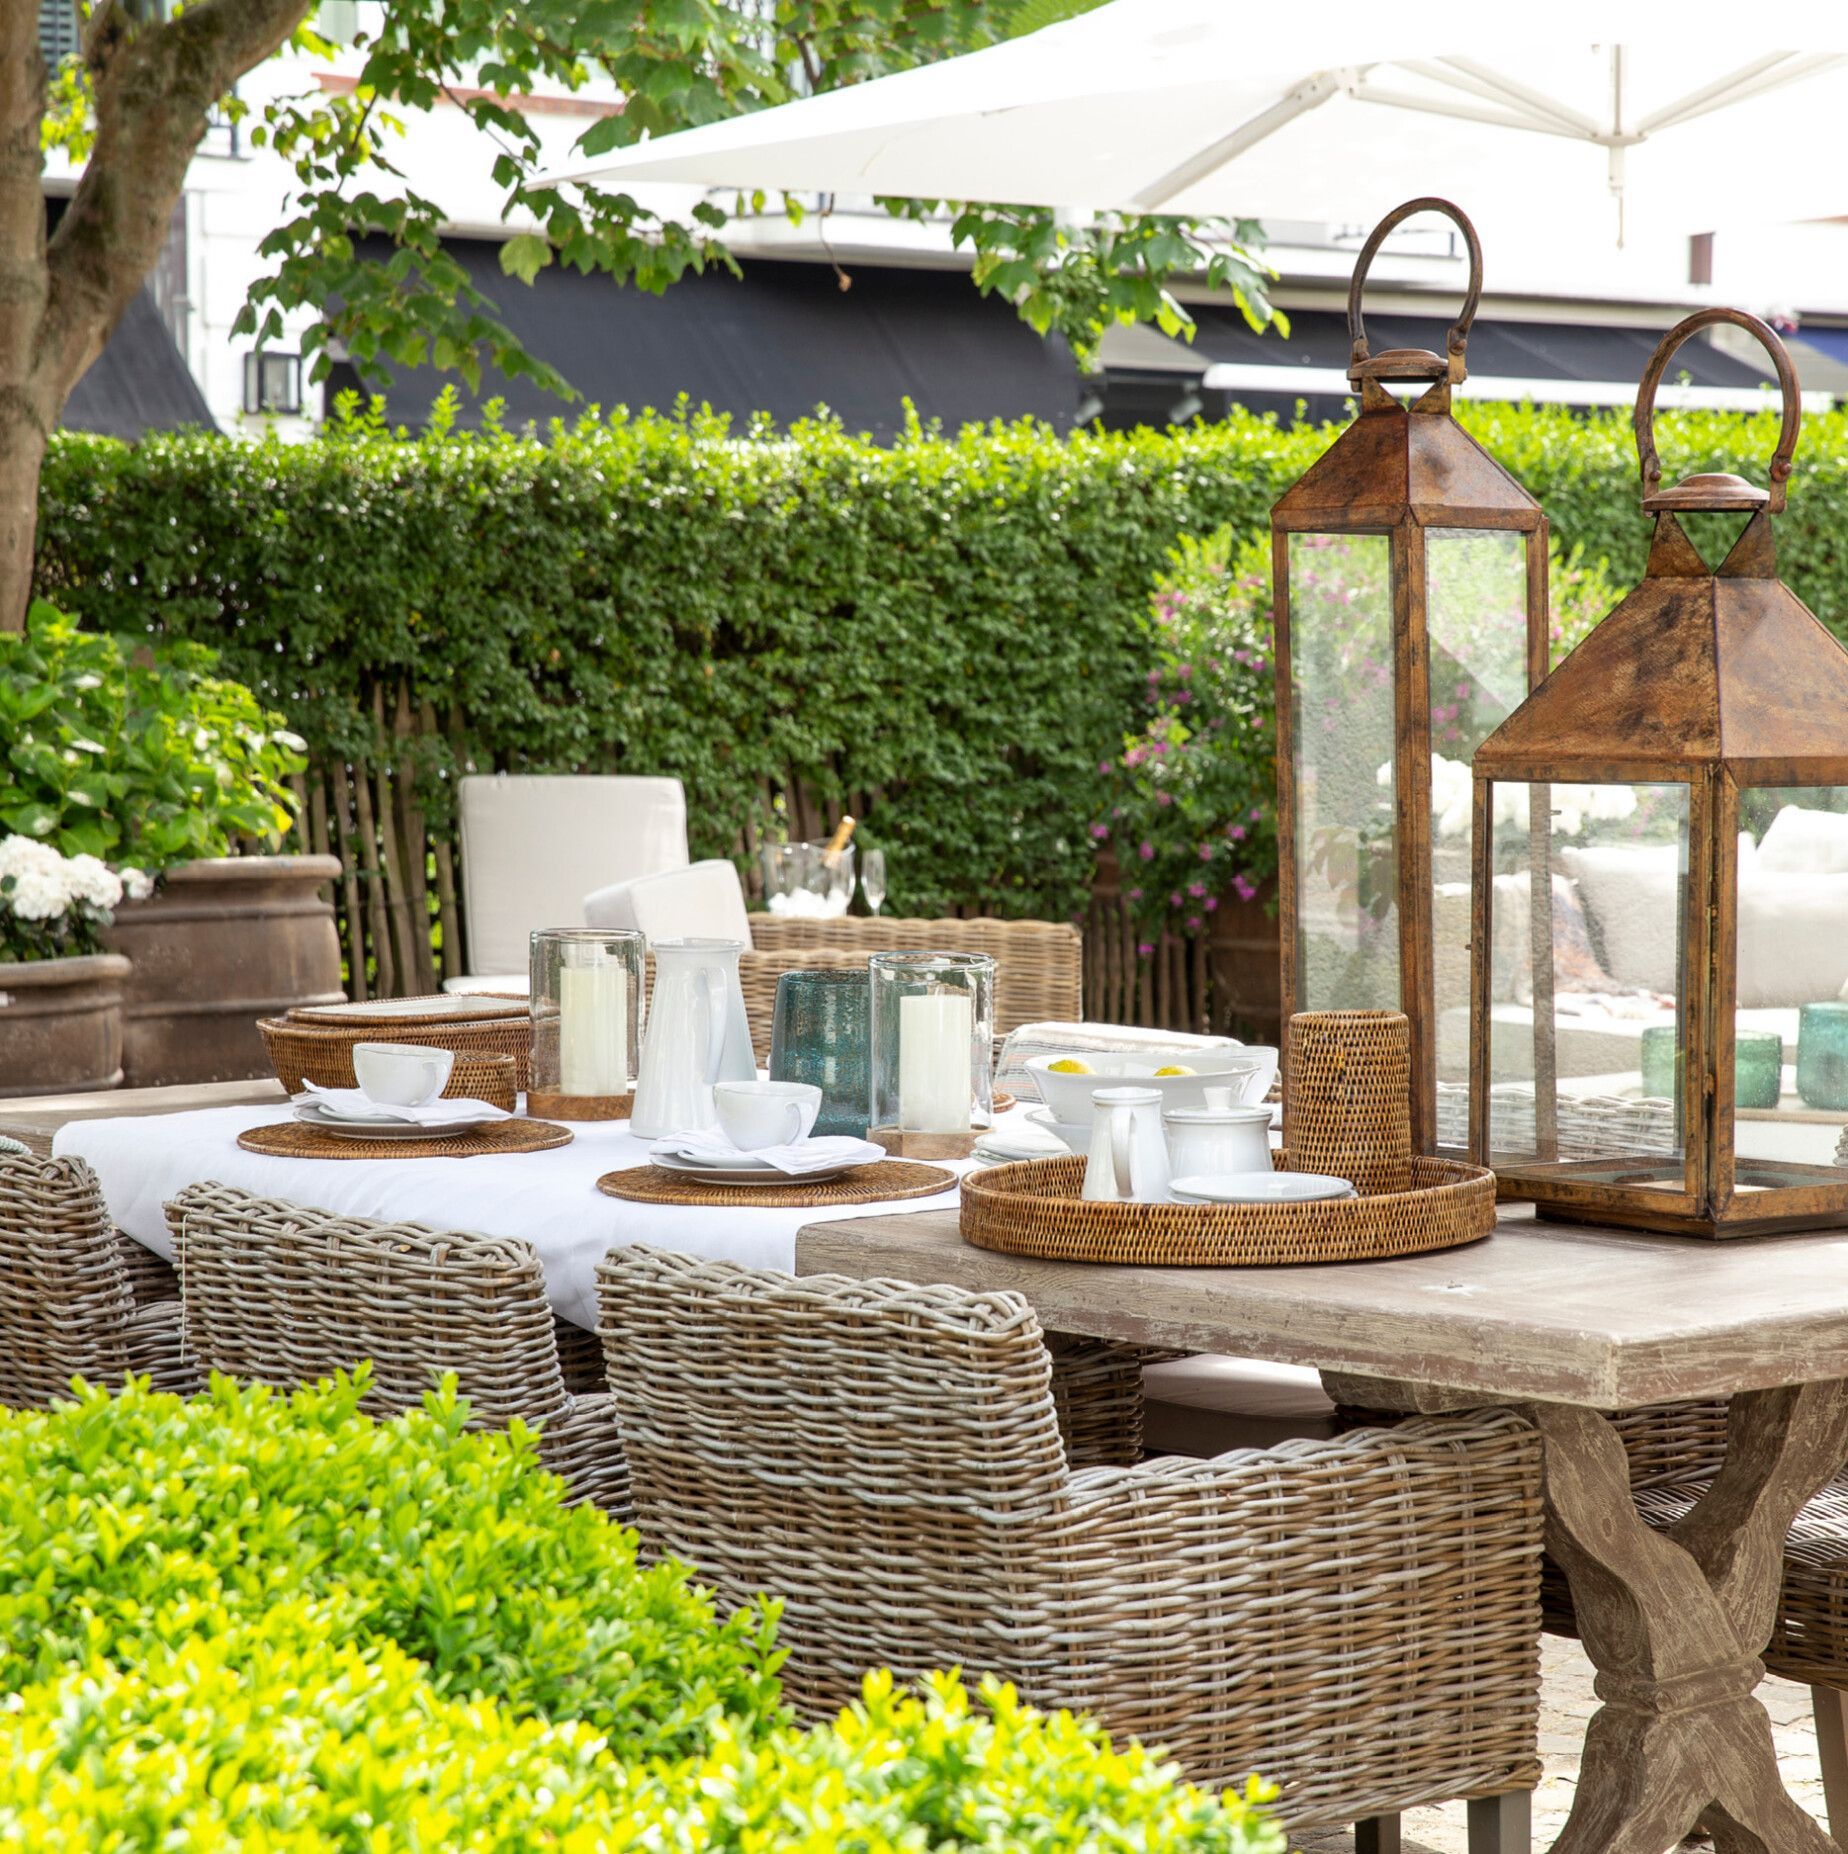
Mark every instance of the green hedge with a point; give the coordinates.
(957, 628)
(255, 1621)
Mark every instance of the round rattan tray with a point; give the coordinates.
(301, 1052)
(295, 1139)
(884, 1183)
(1033, 1208)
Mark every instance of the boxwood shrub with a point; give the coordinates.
(152, 1518)
(957, 628)
(261, 1621)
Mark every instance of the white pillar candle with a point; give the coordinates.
(935, 1032)
(593, 1027)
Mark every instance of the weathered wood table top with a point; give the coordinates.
(1545, 1311)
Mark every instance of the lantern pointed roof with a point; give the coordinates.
(1695, 667)
(1396, 460)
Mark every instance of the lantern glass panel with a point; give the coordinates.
(1791, 1027)
(1341, 685)
(1476, 591)
(1585, 1039)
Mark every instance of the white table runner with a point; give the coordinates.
(549, 1199)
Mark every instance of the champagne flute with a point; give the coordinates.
(872, 878)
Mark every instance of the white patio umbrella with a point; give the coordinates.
(1334, 110)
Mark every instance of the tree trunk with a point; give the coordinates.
(153, 87)
(22, 451)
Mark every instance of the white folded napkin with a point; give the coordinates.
(357, 1104)
(809, 1155)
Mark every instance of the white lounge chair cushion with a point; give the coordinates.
(704, 901)
(532, 843)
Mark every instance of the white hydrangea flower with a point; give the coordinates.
(39, 895)
(92, 881)
(137, 884)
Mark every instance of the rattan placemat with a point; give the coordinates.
(295, 1139)
(1033, 1208)
(883, 1183)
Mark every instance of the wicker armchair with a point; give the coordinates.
(886, 1459)
(284, 1295)
(77, 1297)
(1675, 1450)
(1039, 965)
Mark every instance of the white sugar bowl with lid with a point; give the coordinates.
(1214, 1140)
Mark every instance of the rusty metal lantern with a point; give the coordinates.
(1411, 612)
(1660, 1034)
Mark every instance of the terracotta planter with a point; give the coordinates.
(61, 1024)
(223, 943)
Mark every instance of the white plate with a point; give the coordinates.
(390, 1129)
(753, 1172)
(461, 1007)
(1262, 1188)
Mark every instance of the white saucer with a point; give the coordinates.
(1262, 1188)
(350, 1128)
(752, 1171)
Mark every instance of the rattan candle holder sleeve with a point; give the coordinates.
(1347, 1097)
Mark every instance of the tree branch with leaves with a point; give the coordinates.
(137, 100)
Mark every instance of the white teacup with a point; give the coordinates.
(756, 1114)
(402, 1074)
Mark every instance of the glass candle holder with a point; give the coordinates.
(933, 1023)
(1758, 1066)
(587, 1009)
(822, 1034)
(1822, 1055)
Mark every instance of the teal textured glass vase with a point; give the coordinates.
(822, 1033)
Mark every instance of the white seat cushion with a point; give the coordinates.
(1208, 1404)
(704, 901)
(1805, 842)
(532, 844)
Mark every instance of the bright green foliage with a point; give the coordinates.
(277, 1738)
(961, 627)
(136, 755)
(265, 1622)
(901, 1772)
(153, 1518)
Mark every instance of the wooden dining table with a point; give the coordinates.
(1567, 1324)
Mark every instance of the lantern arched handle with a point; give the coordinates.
(1715, 491)
(1414, 363)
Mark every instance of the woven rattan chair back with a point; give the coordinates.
(282, 1294)
(1357, 1618)
(65, 1299)
(882, 1457)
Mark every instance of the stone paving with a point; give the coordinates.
(1566, 1702)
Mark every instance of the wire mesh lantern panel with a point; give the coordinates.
(1411, 610)
(1660, 944)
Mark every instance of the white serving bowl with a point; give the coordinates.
(1077, 1140)
(1250, 1069)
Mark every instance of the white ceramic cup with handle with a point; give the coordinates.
(402, 1074)
(756, 1114)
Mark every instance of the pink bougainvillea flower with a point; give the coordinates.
(1145, 948)
(1246, 891)
(1236, 832)
(1212, 902)
(1146, 850)
(1100, 831)
(1135, 894)
(1206, 852)
(1164, 798)
(1196, 889)
(1193, 921)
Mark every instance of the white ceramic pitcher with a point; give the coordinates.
(697, 1035)
(1129, 1156)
